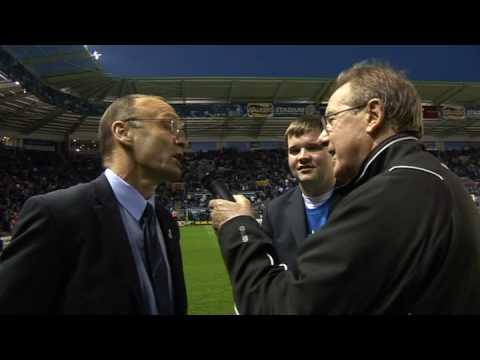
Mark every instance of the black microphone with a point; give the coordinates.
(216, 187)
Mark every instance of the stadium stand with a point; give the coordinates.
(261, 175)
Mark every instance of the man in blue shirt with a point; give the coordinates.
(107, 246)
(289, 218)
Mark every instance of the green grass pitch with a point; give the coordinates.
(208, 286)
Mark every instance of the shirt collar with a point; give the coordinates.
(387, 143)
(312, 202)
(128, 197)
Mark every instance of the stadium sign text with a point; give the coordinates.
(473, 113)
(260, 110)
(453, 112)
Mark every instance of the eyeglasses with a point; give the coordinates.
(174, 127)
(326, 120)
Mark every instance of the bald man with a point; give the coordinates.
(105, 247)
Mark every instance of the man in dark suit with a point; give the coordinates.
(301, 211)
(105, 247)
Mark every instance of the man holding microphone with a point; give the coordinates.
(404, 239)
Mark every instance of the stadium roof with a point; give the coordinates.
(73, 70)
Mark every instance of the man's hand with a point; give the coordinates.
(224, 210)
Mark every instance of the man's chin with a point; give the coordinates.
(341, 179)
(306, 177)
(175, 177)
(170, 176)
(339, 182)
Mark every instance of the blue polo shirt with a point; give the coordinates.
(317, 209)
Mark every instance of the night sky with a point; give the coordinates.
(430, 63)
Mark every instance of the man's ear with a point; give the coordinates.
(376, 116)
(122, 132)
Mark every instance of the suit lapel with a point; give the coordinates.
(296, 211)
(113, 232)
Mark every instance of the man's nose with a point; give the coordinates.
(304, 154)
(181, 141)
(324, 138)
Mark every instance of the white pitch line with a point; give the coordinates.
(210, 231)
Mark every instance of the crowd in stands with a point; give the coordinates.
(261, 175)
(27, 173)
(465, 163)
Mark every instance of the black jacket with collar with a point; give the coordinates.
(404, 239)
(70, 254)
(285, 222)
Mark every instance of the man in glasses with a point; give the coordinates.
(404, 239)
(105, 247)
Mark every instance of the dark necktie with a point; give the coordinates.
(155, 262)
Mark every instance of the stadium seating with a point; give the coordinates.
(261, 175)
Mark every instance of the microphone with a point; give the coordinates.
(216, 187)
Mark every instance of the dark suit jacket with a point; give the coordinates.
(285, 222)
(70, 254)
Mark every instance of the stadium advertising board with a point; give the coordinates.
(210, 110)
(260, 110)
(296, 110)
(265, 145)
(473, 113)
(255, 110)
(430, 112)
(237, 110)
(289, 110)
(313, 109)
(453, 112)
(203, 146)
(237, 145)
(456, 145)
